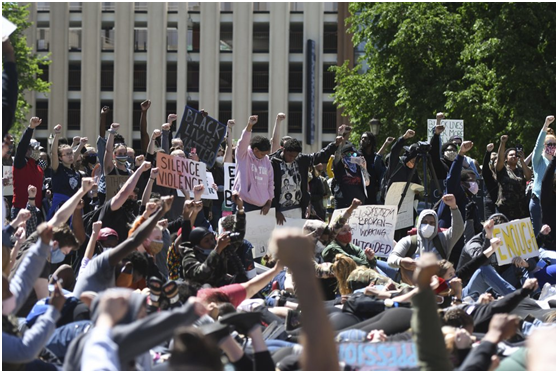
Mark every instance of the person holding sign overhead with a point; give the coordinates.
(254, 173)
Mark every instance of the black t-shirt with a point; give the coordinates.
(350, 186)
(66, 181)
(120, 219)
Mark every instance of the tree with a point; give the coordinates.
(28, 63)
(490, 64)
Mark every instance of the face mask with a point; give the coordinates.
(35, 154)
(131, 160)
(155, 247)
(204, 251)
(550, 150)
(345, 238)
(473, 187)
(8, 305)
(220, 160)
(450, 155)
(91, 159)
(57, 256)
(122, 159)
(42, 164)
(426, 230)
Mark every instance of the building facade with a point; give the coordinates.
(231, 59)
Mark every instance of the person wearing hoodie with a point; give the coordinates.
(254, 173)
(290, 174)
(209, 260)
(427, 235)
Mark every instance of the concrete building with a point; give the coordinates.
(231, 59)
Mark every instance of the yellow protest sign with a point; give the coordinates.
(518, 239)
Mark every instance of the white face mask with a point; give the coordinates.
(57, 256)
(220, 160)
(450, 155)
(426, 230)
(8, 305)
(473, 187)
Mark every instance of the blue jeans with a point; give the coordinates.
(536, 213)
(384, 269)
(486, 277)
(64, 335)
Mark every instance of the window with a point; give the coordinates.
(261, 38)
(136, 115)
(75, 39)
(261, 7)
(193, 6)
(172, 7)
(329, 79)
(260, 77)
(296, 35)
(193, 36)
(43, 7)
(74, 77)
(261, 110)
(74, 113)
(107, 77)
(295, 77)
(108, 7)
(295, 117)
(43, 39)
(44, 75)
(140, 40)
(171, 109)
(225, 77)
(75, 7)
(41, 111)
(297, 7)
(226, 38)
(329, 118)
(140, 77)
(193, 81)
(225, 112)
(226, 7)
(330, 38)
(140, 7)
(330, 7)
(107, 40)
(171, 77)
(172, 40)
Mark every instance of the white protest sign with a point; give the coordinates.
(372, 226)
(292, 223)
(518, 239)
(8, 189)
(230, 173)
(209, 192)
(180, 173)
(293, 213)
(453, 127)
(7, 29)
(405, 213)
(258, 230)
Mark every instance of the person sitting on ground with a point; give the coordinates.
(343, 245)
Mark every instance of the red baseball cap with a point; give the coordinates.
(105, 233)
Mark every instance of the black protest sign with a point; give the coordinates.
(205, 134)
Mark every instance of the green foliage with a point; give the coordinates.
(490, 64)
(27, 62)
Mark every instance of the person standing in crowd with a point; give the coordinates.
(65, 179)
(351, 177)
(254, 172)
(374, 164)
(545, 149)
(490, 182)
(512, 182)
(26, 169)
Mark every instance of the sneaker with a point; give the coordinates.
(292, 321)
(242, 322)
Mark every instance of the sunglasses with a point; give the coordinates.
(551, 144)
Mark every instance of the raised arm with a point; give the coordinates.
(107, 159)
(67, 209)
(537, 152)
(77, 223)
(103, 123)
(151, 146)
(501, 153)
(141, 234)
(244, 142)
(457, 225)
(165, 141)
(229, 148)
(143, 124)
(127, 189)
(526, 170)
(276, 135)
(149, 187)
(486, 171)
(90, 249)
(77, 151)
(435, 148)
(54, 161)
(384, 148)
(260, 281)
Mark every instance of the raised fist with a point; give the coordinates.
(31, 191)
(409, 134)
(253, 119)
(115, 126)
(171, 118)
(83, 140)
(145, 105)
(504, 138)
(490, 147)
(439, 116)
(549, 119)
(281, 116)
(34, 122)
(230, 123)
(156, 133)
(105, 110)
(165, 127)
(449, 200)
(465, 147)
(145, 166)
(87, 183)
(58, 129)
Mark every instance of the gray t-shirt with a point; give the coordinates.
(97, 276)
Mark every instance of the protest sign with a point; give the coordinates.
(230, 173)
(114, 183)
(372, 226)
(209, 192)
(518, 239)
(260, 230)
(7, 29)
(292, 223)
(453, 127)
(405, 213)
(379, 356)
(180, 173)
(8, 189)
(205, 134)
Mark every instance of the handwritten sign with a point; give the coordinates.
(518, 239)
(379, 356)
(114, 184)
(203, 133)
(405, 213)
(7, 174)
(453, 127)
(372, 226)
(180, 173)
(258, 230)
(230, 173)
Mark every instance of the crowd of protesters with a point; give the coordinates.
(151, 278)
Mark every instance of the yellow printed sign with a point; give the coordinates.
(518, 239)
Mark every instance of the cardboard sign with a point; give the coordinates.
(453, 127)
(180, 173)
(203, 133)
(372, 226)
(7, 173)
(209, 192)
(114, 183)
(405, 213)
(7, 29)
(518, 239)
(379, 356)
(258, 230)
(230, 173)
